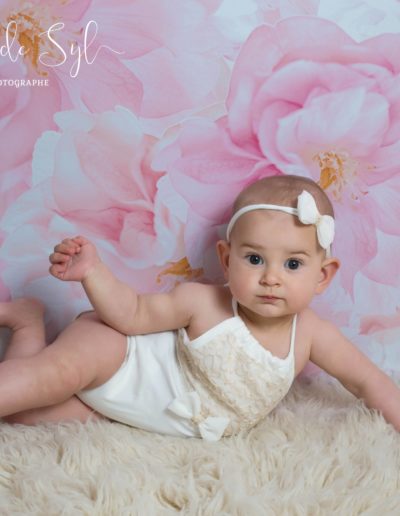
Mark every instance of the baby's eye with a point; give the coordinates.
(292, 264)
(254, 259)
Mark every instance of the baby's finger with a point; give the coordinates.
(57, 271)
(59, 258)
(69, 242)
(80, 240)
(66, 248)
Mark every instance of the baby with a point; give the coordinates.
(202, 360)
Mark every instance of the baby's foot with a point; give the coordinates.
(24, 311)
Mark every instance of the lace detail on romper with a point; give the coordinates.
(233, 378)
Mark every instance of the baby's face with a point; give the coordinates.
(275, 263)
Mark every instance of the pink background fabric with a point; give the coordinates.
(174, 107)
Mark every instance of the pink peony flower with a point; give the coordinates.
(132, 48)
(91, 75)
(208, 172)
(177, 54)
(27, 111)
(311, 101)
(328, 111)
(94, 177)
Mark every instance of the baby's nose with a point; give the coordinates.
(270, 276)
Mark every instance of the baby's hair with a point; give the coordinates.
(283, 190)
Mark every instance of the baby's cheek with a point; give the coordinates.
(301, 293)
(238, 287)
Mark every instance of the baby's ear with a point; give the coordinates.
(329, 268)
(223, 251)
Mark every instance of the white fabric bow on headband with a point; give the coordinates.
(306, 211)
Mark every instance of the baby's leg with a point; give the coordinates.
(86, 354)
(72, 409)
(24, 317)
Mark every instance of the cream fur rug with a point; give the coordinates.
(321, 452)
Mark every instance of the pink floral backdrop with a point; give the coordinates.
(137, 123)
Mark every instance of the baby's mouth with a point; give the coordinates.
(269, 298)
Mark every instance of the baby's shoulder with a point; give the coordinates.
(199, 293)
(193, 288)
(210, 304)
(314, 326)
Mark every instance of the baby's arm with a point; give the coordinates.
(331, 351)
(116, 303)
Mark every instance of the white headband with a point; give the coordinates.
(306, 211)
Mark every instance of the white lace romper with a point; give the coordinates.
(220, 383)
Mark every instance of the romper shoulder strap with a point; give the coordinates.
(293, 334)
(235, 307)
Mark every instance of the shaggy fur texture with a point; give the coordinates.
(321, 452)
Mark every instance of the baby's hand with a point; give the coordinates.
(73, 259)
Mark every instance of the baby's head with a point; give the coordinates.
(281, 191)
(277, 252)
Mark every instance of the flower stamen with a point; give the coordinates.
(181, 268)
(28, 22)
(338, 172)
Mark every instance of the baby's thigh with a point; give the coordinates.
(72, 409)
(95, 350)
